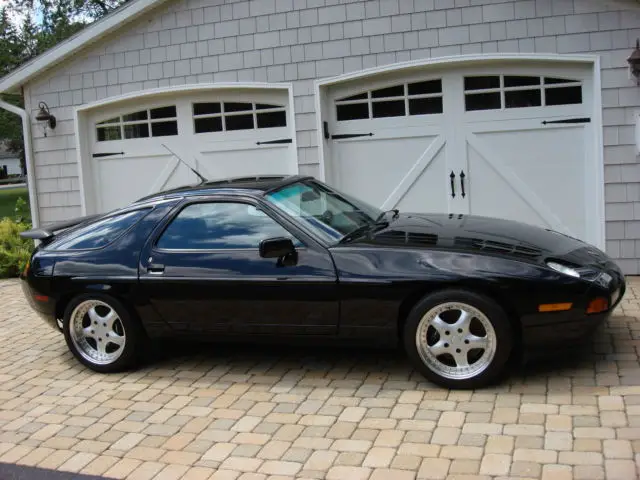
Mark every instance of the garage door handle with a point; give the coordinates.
(462, 182)
(452, 177)
(568, 120)
(273, 142)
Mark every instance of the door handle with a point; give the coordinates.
(155, 269)
(462, 182)
(452, 176)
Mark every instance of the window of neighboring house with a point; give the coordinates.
(220, 225)
(228, 116)
(154, 122)
(417, 98)
(496, 92)
(98, 234)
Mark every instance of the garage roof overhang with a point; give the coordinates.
(113, 21)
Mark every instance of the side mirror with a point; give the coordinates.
(276, 247)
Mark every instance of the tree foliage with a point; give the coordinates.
(24, 36)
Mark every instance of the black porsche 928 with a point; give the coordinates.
(290, 258)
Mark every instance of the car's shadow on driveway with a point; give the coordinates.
(327, 366)
(242, 358)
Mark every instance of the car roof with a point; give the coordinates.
(256, 184)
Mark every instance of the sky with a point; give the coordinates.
(18, 17)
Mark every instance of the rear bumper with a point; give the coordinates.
(42, 304)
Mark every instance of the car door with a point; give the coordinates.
(203, 272)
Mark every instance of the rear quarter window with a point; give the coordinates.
(98, 234)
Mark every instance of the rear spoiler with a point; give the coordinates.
(47, 232)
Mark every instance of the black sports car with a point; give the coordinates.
(290, 258)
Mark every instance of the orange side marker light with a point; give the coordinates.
(598, 305)
(554, 307)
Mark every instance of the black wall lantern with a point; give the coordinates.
(45, 117)
(634, 62)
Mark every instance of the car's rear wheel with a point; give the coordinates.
(458, 339)
(101, 333)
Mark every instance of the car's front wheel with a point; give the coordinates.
(458, 339)
(101, 333)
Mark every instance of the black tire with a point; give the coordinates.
(134, 334)
(496, 316)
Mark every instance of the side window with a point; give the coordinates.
(98, 234)
(220, 225)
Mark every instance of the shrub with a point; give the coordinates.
(22, 212)
(15, 251)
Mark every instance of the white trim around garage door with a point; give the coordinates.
(321, 106)
(83, 142)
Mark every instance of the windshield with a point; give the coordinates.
(326, 212)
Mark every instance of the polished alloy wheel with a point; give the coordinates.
(456, 341)
(97, 332)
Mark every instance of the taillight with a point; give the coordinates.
(26, 268)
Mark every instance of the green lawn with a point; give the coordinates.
(8, 198)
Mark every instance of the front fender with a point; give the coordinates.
(376, 281)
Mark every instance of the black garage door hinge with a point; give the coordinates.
(98, 155)
(351, 135)
(327, 135)
(568, 120)
(273, 142)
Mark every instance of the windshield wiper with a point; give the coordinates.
(395, 211)
(361, 230)
(377, 224)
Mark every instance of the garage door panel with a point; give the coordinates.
(390, 126)
(242, 139)
(125, 179)
(534, 175)
(248, 161)
(429, 191)
(489, 198)
(390, 159)
(482, 118)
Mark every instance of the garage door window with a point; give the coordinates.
(418, 98)
(228, 116)
(154, 122)
(495, 92)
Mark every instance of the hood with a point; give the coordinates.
(477, 234)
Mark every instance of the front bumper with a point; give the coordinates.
(545, 334)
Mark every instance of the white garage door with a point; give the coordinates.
(136, 145)
(513, 142)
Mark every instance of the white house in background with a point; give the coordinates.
(527, 105)
(9, 161)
